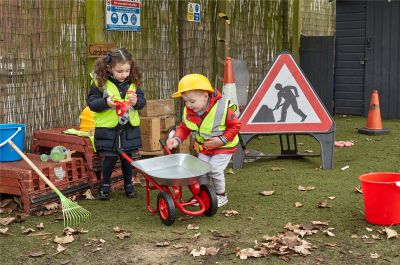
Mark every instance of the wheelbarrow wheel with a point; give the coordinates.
(166, 208)
(209, 197)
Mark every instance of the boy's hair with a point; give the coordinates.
(121, 55)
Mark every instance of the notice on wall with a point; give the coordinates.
(193, 12)
(123, 15)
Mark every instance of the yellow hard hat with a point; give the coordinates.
(193, 82)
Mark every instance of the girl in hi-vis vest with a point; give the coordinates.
(210, 117)
(116, 77)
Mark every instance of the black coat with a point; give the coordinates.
(106, 139)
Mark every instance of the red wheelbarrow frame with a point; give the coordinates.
(204, 195)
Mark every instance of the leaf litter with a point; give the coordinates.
(286, 243)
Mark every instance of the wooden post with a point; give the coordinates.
(95, 24)
(223, 41)
(296, 30)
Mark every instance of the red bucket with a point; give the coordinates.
(381, 193)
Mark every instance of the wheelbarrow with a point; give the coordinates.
(169, 174)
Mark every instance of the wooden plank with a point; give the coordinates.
(159, 107)
(167, 122)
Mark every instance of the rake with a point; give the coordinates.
(73, 214)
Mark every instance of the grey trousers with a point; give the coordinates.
(216, 175)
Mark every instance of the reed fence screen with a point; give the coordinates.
(43, 44)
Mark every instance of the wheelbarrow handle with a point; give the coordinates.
(165, 147)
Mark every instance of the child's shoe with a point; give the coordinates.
(222, 199)
(130, 191)
(104, 192)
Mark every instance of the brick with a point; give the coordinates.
(18, 178)
(158, 107)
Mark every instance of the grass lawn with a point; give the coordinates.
(258, 215)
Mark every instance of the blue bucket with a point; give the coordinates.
(15, 133)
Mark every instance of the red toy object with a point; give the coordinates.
(121, 107)
(169, 174)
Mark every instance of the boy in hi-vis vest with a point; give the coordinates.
(116, 77)
(215, 125)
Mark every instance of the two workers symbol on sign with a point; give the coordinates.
(287, 97)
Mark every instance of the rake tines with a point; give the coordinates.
(73, 214)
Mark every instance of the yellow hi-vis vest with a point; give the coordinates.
(109, 118)
(213, 124)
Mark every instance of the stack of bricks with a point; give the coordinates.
(157, 118)
(18, 178)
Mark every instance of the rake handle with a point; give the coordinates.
(35, 168)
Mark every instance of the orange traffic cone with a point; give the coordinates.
(374, 123)
(229, 87)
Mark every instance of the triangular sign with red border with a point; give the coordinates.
(285, 102)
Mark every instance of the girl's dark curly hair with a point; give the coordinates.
(122, 55)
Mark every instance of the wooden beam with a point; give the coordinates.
(296, 30)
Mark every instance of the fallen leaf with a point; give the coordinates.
(230, 171)
(68, 231)
(64, 240)
(3, 231)
(267, 193)
(230, 213)
(329, 233)
(331, 197)
(212, 251)
(374, 255)
(219, 234)
(196, 236)
(197, 253)
(88, 195)
(102, 241)
(192, 227)
(250, 218)
(320, 223)
(27, 230)
(306, 188)
(52, 206)
(7, 220)
(118, 229)
(60, 248)
(163, 244)
(375, 237)
(345, 167)
(390, 233)
(122, 235)
(40, 226)
(323, 204)
(277, 168)
(38, 253)
(358, 189)
(368, 229)
(298, 205)
(252, 253)
(96, 249)
(303, 248)
(330, 245)
(354, 236)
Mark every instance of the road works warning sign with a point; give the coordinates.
(285, 102)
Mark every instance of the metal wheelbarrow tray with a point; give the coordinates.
(169, 174)
(174, 169)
